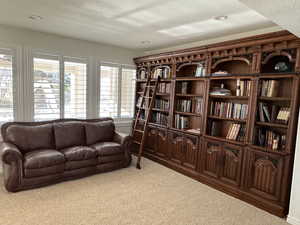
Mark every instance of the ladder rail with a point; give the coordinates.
(145, 130)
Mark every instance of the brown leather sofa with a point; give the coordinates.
(35, 154)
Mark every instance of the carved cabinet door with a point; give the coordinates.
(211, 152)
(162, 143)
(150, 142)
(176, 146)
(190, 152)
(231, 164)
(264, 174)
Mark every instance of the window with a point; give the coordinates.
(109, 91)
(6, 88)
(46, 89)
(75, 90)
(127, 92)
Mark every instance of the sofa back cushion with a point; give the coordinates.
(69, 134)
(99, 132)
(29, 138)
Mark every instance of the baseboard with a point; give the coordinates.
(293, 220)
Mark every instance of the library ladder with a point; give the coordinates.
(149, 96)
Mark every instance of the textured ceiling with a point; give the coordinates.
(128, 23)
(285, 13)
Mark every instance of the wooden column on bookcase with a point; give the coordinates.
(294, 105)
(297, 66)
(208, 63)
(256, 62)
(206, 105)
(172, 92)
(253, 107)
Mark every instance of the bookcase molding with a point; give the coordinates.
(250, 153)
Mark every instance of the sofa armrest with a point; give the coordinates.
(10, 153)
(12, 166)
(125, 141)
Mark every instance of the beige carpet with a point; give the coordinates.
(153, 195)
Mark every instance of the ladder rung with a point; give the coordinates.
(136, 142)
(140, 131)
(147, 97)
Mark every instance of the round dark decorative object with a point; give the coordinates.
(281, 67)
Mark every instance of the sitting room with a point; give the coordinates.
(149, 112)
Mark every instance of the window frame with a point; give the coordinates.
(120, 67)
(61, 59)
(75, 60)
(15, 84)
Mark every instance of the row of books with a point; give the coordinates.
(229, 110)
(194, 105)
(164, 73)
(164, 87)
(236, 132)
(160, 118)
(161, 104)
(243, 87)
(182, 87)
(181, 122)
(271, 139)
(273, 113)
(269, 88)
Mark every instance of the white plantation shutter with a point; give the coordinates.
(46, 89)
(6, 88)
(75, 90)
(127, 92)
(109, 91)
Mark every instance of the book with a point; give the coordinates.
(229, 110)
(181, 122)
(272, 140)
(194, 131)
(269, 88)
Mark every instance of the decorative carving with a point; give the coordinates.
(264, 178)
(290, 53)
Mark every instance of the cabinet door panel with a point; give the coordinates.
(162, 144)
(176, 146)
(231, 164)
(190, 152)
(264, 174)
(150, 143)
(210, 158)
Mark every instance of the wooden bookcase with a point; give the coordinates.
(234, 131)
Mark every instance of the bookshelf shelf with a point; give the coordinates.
(224, 140)
(277, 125)
(277, 99)
(188, 95)
(188, 78)
(187, 113)
(279, 152)
(185, 131)
(160, 110)
(229, 97)
(163, 94)
(228, 119)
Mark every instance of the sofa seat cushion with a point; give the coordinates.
(111, 158)
(108, 148)
(79, 153)
(43, 158)
(46, 171)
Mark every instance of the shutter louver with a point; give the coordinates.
(46, 89)
(108, 91)
(75, 90)
(127, 92)
(6, 88)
